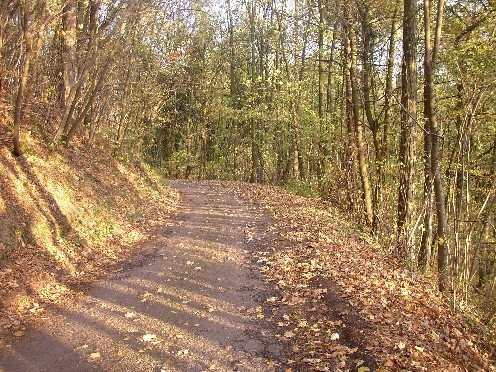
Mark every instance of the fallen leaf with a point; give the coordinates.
(149, 337)
(456, 333)
(183, 352)
(95, 355)
(311, 360)
(271, 363)
(303, 323)
(389, 363)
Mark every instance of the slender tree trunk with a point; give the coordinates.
(321, 145)
(24, 76)
(330, 71)
(89, 103)
(121, 130)
(368, 45)
(425, 243)
(389, 86)
(359, 128)
(321, 59)
(253, 74)
(426, 240)
(69, 56)
(408, 122)
(431, 52)
(76, 91)
(487, 265)
(351, 175)
(460, 250)
(233, 79)
(90, 122)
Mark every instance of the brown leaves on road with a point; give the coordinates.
(354, 307)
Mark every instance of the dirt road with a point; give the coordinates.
(193, 303)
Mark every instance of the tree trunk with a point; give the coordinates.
(425, 243)
(253, 75)
(69, 39)
(431, 52)
(321, 145)
(321, 59)
(368, 45)
(121, 130)
(76, 90)
(360, 139)
(24, 76)
(89, 103)
(330, 75)
(351, 177)
(408, 122)
(389, 87)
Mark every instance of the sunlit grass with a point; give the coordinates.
(75, 213)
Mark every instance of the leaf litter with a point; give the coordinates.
(366, 311)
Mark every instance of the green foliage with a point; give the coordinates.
(304, 188)
(177, 163)
(76, 240)
(102, 226)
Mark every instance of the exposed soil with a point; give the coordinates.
(195, 302)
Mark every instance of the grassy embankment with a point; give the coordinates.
(66, 218)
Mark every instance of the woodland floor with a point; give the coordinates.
(231, 286)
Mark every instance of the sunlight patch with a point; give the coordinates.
(3, 207)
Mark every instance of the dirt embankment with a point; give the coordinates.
(65, 217)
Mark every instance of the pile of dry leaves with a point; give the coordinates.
(354, 307)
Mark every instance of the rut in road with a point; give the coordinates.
(194, 305)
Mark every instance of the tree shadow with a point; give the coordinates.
(199, 317)
(38, 360)
(26, 222)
